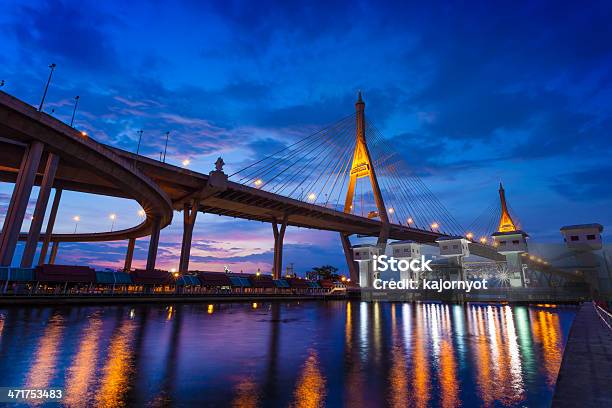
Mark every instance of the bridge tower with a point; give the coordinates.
(362, 166)
(510, 241)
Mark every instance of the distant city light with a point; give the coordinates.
(76, 218)
(254, 305)
(84, 133)
(343, 279)
(435, 225)
(469, 235)
(258, 182)
(113, 216)
(391, 210)
(211, 309)
(258, 273)
(483, 240)
(173, 270)
(186, 162)
(410, 220)
(176, 274)
(312, 196)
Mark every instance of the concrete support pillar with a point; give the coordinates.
(19, 202)
(39, 211)
(50, 224)
(348, 254)
(153, 244)
(129, 255)
(53, 255)
(279, 236)
(190, 211)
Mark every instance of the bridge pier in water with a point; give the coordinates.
(129, 255)
(190, 212)
(153, 244)
(350, 259)
(279, 236)
(50, 225)
(19, 202)
(39, 211)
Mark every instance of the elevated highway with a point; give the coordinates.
(85, 165)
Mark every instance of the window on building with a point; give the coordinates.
(590, 237)
(516, 242)
(574, 238)
(445, 247)
(455, 246)
(502, 243)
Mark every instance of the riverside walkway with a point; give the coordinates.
(585, 376)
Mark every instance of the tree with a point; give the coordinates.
(323, 272)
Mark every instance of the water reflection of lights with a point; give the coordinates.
(211, 309)
(407, 324)
(348, 328)
(546, 329)
(118, 368)
(81, 374)
(310, 388)
(44, 367)
(516, 368)
(363, 329)
(421, 364)
(398, 380)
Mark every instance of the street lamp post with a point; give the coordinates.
(113, 217)
(42, 101)
(76, 102)
(76, 220)
(139, 139)
(166, 146)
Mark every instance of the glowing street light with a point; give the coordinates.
(76, 220)
(410, 221)
(391, 210)
(312, 196)
(113, 217)
(83, 133)
(469, 235)
(186, 162)
(258, 182)
(435, 225)
(483, 240)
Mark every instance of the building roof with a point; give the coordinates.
(597, 226)
(214, 279)
(406, 241)
(154, 277)
(453, 238)
(365, 246)
(261, 281)
(297, 283)
(517, 232)
(64, 273)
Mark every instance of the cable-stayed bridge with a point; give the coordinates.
(344, 178)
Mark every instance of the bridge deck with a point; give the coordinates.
(585, 376)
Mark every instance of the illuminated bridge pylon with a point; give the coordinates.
(363, 166)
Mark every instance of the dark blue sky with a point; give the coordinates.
(470, 95)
